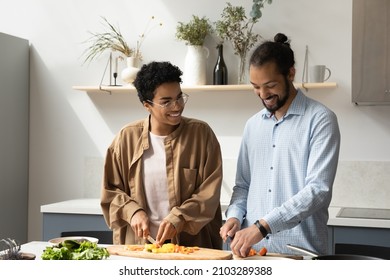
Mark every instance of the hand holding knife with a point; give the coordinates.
(152, 240)
(228, 239)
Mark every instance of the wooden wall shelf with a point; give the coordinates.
(203, 88)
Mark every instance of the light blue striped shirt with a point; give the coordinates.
(285, 173)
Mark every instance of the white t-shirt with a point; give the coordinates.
(155, 182)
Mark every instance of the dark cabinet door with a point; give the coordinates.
(371, 52)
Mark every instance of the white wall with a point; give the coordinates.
(70, 130)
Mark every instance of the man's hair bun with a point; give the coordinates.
(281, 38)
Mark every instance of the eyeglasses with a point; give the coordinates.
(172, 103)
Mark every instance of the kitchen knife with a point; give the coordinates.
(151, 239)
(229, 240)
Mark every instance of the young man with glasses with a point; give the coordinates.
(287, 162)
(163, 174)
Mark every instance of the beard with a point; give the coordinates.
(281, 100)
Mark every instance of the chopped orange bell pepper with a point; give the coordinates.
(252, 252)
(263, 251)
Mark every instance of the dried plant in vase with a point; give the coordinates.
(111, 39)
(142, 37)
(236, 27)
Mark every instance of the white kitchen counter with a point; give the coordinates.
(76, 206)
(355, 222)
(91, 206)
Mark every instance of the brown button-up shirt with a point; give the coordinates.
(194, 173)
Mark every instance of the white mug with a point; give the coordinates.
(317, 74)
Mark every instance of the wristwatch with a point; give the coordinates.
(261, 228)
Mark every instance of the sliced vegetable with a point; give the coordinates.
(132, 247)
(263, 251)
(165, 248)
(252, 252)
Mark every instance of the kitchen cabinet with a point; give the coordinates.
(371, 52)
(346, 239)
(357, 233)
(64, 224)
(14, 129)
(75, 217)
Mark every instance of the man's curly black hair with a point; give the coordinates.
(152, 75)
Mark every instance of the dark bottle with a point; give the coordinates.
(220, 75)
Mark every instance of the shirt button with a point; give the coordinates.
(273, 146)
(269, 190)
(271, 168)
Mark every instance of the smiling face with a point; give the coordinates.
(275, 90)
(164, 121)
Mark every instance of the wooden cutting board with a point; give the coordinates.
(201, 254)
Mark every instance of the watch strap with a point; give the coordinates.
(261, 228)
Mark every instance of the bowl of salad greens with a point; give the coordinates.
(75, 249)
(58, 240)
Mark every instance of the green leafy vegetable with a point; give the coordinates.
(74, 250)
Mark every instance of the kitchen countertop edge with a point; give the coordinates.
(354, 222)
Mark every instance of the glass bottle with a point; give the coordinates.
(220, 75)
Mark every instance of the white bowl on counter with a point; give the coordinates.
(58, 240)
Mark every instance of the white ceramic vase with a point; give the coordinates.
(130, 72)
(195, 65)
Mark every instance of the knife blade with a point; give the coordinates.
(151, 239)
(229, 240)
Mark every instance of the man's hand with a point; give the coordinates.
(229, 228)
(244, 240)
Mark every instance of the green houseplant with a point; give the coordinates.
(195, 31)
(236, 27)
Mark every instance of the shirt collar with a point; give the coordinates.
(174, 134)
(297, 106)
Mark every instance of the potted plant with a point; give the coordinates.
(111, 39)
(195, 31)
(236, 27)
(194, 34)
